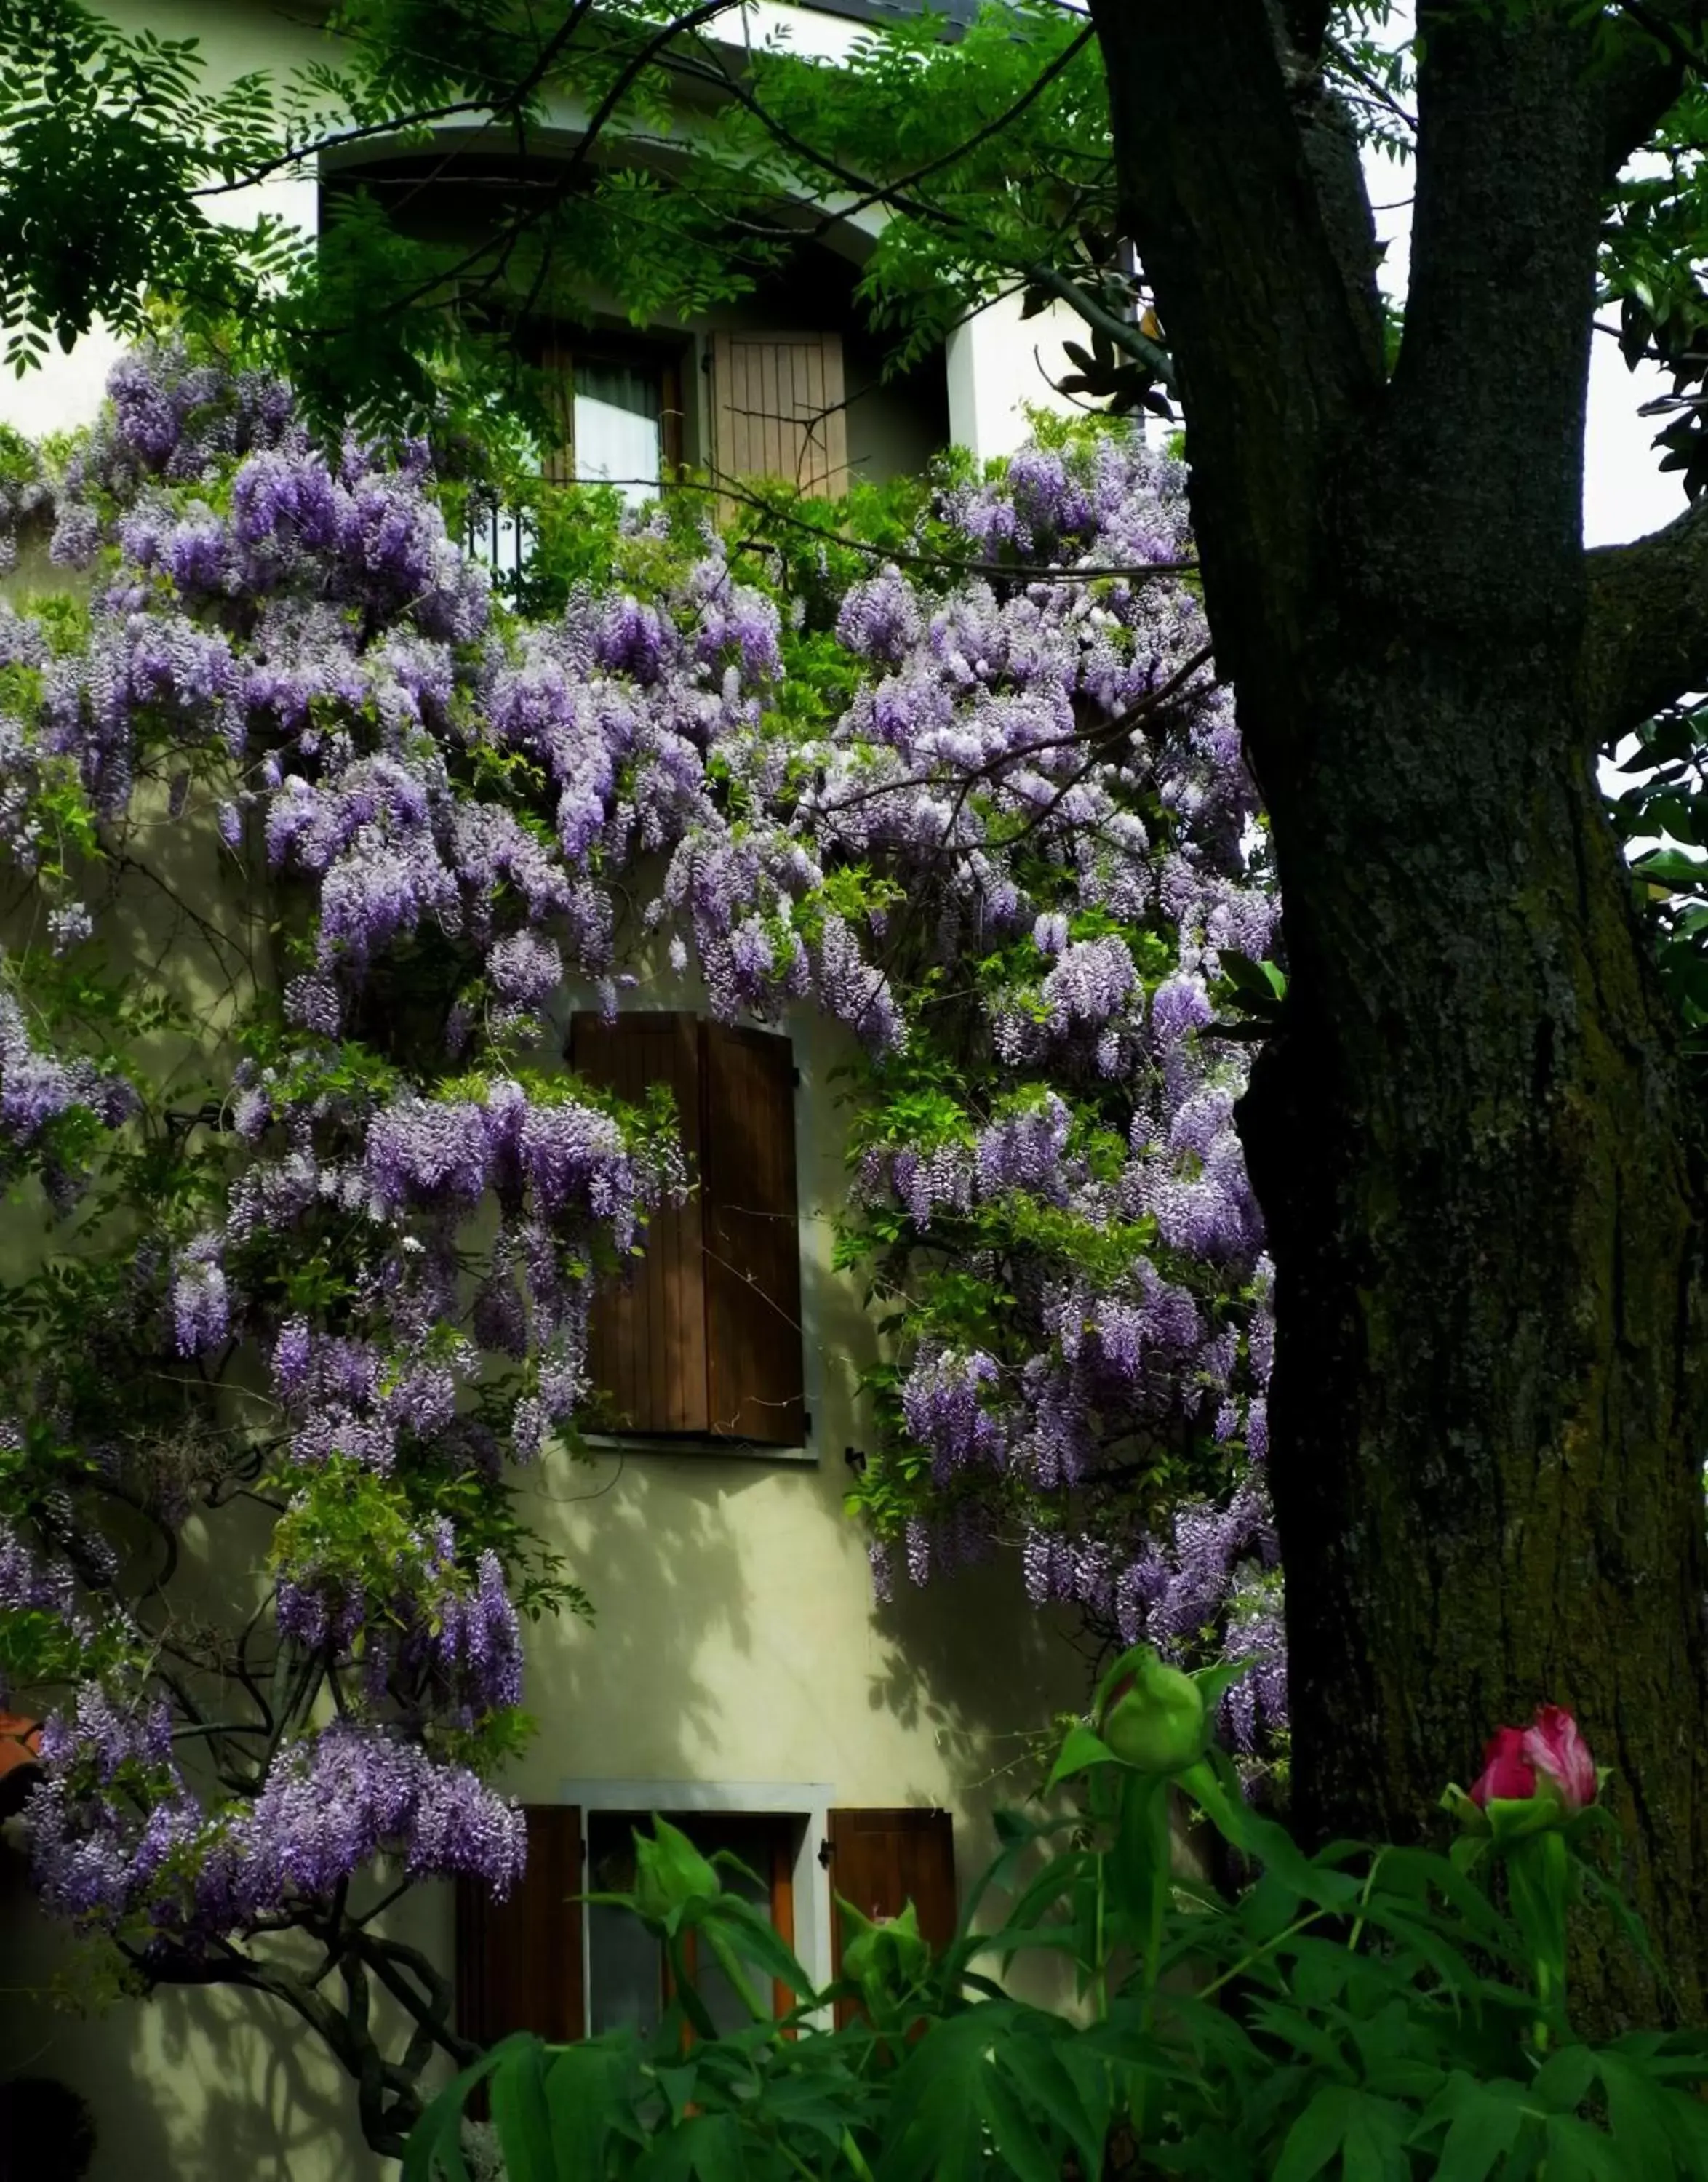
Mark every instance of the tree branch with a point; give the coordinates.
(431, 2007)
(1221, 194)
(1471, 492)
(1645, 642)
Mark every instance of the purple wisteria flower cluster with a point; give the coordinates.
(1048, 1177)
(1009, 857)
(417, 1621)
(120, 1842)
(39, 1089)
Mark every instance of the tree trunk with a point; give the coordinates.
(1471, 1150)
(1469, 1137)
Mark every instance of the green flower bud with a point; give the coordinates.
(670, 1873)
(884, 1958)
(1158, 1725)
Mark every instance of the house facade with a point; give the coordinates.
(739, 1676)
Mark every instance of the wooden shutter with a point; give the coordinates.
(778, 409)
(519, 1962)
(705, 1335)
(882, 1860)
(647, 1348)
(753, 1237)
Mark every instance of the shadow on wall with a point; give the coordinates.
(655, 1540)
(186, 2085)
(970, 1664)
(736, 1640)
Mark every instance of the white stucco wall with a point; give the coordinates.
(999, 365)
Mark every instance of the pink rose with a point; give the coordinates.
(1507, 1774)
(1554, 1747)
(1515, 1757)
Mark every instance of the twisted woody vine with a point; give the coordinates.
(301, 1256)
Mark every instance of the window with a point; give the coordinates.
(622, 412)
(544, 1960)
(627, 1979)
(704, 1337)
(777, 410)
(617, 430)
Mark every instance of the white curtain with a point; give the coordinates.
(619, 437)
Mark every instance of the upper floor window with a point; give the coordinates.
(703, 1339)
(621, 408)
(776, 406)
(618, 429)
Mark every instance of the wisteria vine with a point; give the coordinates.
(332, 1241)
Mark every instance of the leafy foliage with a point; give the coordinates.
(1360, 2012)
(1664, 815)
(980, 162)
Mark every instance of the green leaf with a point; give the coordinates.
(1486, 2120)
(752, 1937)
(434, 2147)
(936, 2131)
(1566, 2076)
(1259, 987)
(1673, 869)
(520, 2113)
(1577, 2153)
(1317, 2133)
(1637, 2117)
(670, 1873)
(1016, 2140)
(704, 2144)
(715, 2149)
(1039, 2074)
(1271, 1844)
(1081, 1750)
(1375, 2146)
(584, 2088)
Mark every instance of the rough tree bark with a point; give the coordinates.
(1470, 1137)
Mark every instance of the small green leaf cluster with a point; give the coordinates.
(1663, 818)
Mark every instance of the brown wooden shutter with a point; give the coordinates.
(882, 1860)
(753, 1237)
(519, 1962)
(647, 1348)
(778, 409)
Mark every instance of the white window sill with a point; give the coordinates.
(736, 1450)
